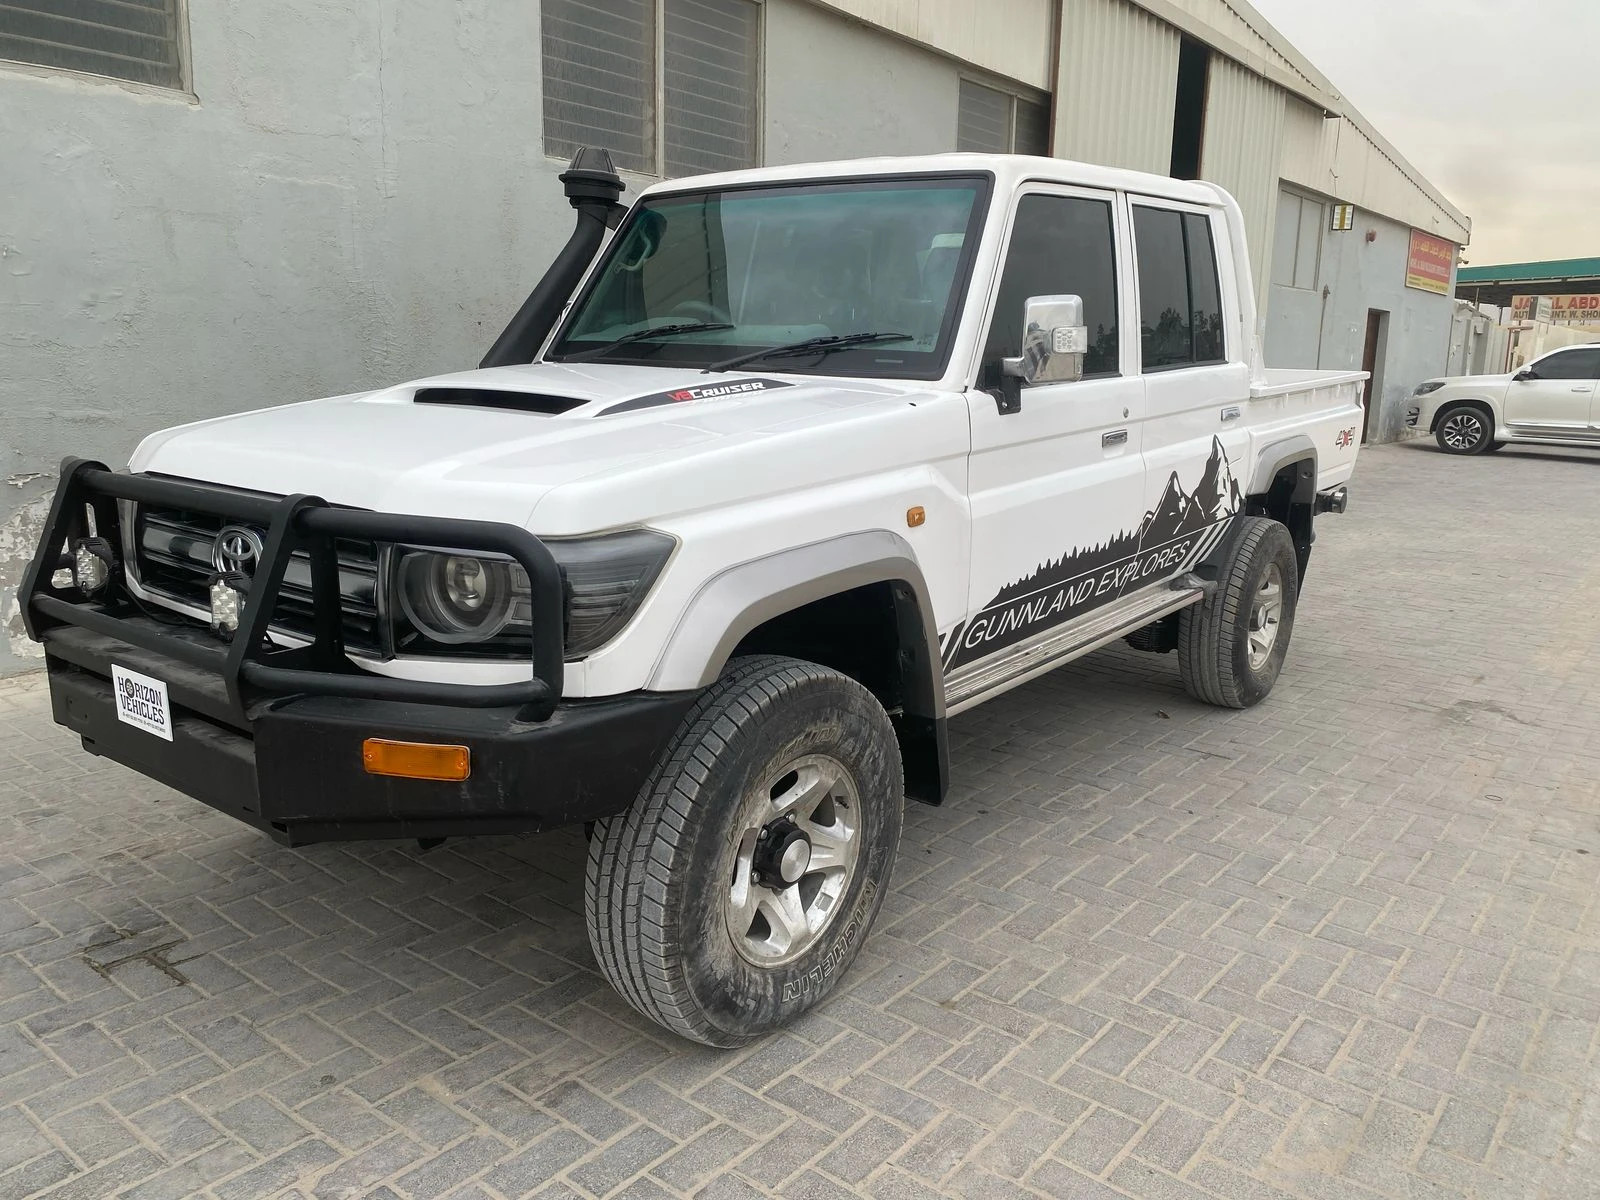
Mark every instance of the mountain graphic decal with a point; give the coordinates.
(1174, 535)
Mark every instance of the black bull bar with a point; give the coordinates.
(248, 664)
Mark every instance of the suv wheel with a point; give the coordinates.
(1232, 644)
(1464, 429)
(740, 885)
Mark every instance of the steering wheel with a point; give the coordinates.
(701, 310)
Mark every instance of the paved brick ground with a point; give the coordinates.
(1340, 947)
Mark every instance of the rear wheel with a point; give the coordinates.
(1232, 644)
(1464, 429)
(740, 885)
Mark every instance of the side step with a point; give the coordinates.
(1015, 666)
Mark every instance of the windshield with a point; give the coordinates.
(724, 273)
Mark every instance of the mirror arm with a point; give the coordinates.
(1008, 395)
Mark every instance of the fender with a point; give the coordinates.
(1284, 452)
(736, 601)
(1299, 452)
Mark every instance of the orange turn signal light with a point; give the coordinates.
(915, 516)
(416, 760)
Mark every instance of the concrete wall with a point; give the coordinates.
(1305, 331)
(1010, 38)
(838, 89)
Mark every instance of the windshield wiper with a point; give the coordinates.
(816, 345)
(644, 335)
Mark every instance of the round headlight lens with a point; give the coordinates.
(456, 598)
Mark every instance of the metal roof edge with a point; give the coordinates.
(1313, 86)
(1532, 272)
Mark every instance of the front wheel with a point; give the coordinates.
(740, 885)
(1464, 429)
(1232, 644)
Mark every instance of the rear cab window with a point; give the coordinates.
(1180, 293)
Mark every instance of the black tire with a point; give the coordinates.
(1214, 644)
(1493, 446)
(660, 876)
(1464, 429)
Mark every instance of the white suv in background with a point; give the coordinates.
(1552, 400)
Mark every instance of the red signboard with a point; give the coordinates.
(1430, 263)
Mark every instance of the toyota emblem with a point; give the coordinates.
(237, 548)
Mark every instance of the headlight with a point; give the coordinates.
(1431, 386)
(454, 598)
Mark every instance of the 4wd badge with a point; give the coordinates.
(1346, 438)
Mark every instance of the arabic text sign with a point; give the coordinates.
(1430, 263)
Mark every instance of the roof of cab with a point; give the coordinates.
(1009, 171)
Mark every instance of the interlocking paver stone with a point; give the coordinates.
(1345, 944)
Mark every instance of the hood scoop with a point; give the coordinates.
(496, 398)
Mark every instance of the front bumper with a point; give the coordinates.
(293, 766)
(274, 736)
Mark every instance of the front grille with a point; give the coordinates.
(174, 562)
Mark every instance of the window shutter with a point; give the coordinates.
(136, 40)
(983, 122)
(599, 79)
(709, 54)
(1033, 128)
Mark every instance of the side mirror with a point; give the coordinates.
(1054, 341)
(1523, 377)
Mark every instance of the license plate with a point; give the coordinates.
(142, 702)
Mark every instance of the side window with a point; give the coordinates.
(1205, 290)
(1180, 296)
(1060, 245)
(1571, 364)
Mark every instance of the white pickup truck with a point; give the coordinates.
(773, 472)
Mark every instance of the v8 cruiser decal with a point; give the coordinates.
(1180, 531)
(706, 391)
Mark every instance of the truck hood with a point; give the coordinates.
(491, 444)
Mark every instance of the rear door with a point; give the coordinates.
(1196, 385)
(1557, 396)
(1056, 487)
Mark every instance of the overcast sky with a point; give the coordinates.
(1493, 100)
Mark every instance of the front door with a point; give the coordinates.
(1054, 486)
(1555, 394)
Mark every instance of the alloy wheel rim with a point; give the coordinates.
(1463, 431)
(797, 844)
(1266, 615)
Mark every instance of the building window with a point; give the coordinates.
(135, 40)
(1298, 243)
(1180, 300)
(990, 121)
(1059, 245)
(602, 61)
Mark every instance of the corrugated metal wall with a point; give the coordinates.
(1242, 149)
(1115, 86)
(1337, 159)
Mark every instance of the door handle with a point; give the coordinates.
(1583, 389)
(1231, 413)
(1117, 437)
